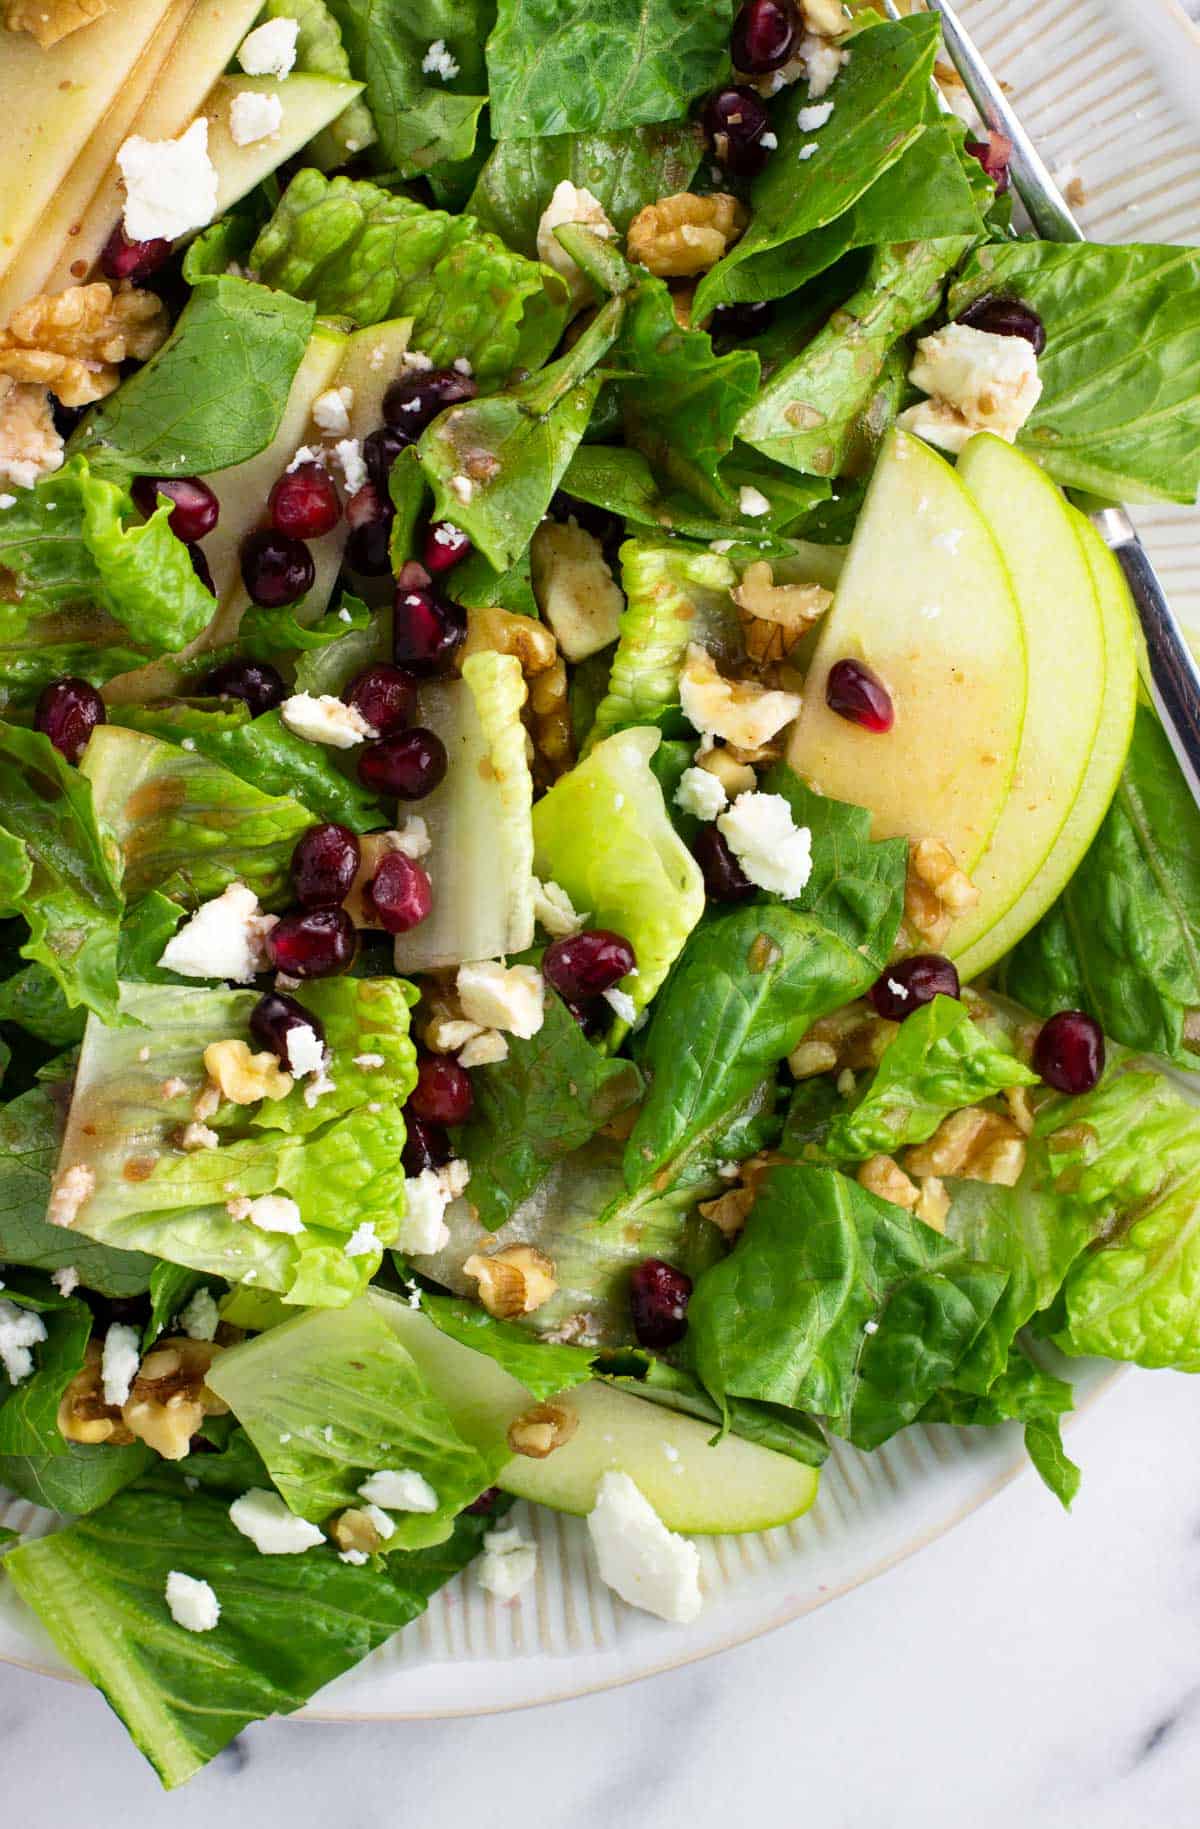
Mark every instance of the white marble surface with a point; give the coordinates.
(1029, 1671)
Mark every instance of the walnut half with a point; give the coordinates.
(685, 234)
(974, 1145)
(514, 1281)
(83, 1415)
(73, 341)
(935, 891)
(776, 617)
(539, 1431)
(169, 1399)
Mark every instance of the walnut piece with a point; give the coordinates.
(683, 235)
(30, 447)
(547, 710)
(827, 17)
(50, 20)
(735, 777)
(550, 723)
(730, 1210)
(852, 1037)
(974, 1145)
(935, 890)
(72, 341)
(169, 1399)
(355, 1530)
(934, 1204)
(539, 1431)
(883, 1176)
(776, 617)
(493, 630)
(514, 1281)
(83, 1415)
(242, 1077)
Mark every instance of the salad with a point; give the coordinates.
(591, 900)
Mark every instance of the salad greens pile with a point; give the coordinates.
(331, 1239)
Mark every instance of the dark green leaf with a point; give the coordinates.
(543, 1368)
(421, 119)
(856, 888)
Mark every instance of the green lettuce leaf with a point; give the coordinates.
(838, 1303)
(420, 118)
(361, 252)
(289, 1624)
(214, 394)
(787, 1431)
(604, 834)
(321, 52)
(542, 1367)
(265, 634)
(33, 998)
(548, 1098)
(1120, 410)
(856, 887)
(674, 595)
(1027, 1394)
(1123, 939)
(604, 64)
(621, 480)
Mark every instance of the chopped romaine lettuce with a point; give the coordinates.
(425, 116)
(674, 595)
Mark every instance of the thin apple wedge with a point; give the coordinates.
(925, 600)
(309, 103)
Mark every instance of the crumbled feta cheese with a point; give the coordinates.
(508, 1562)
(119, 1362)
(349, 457)
(739, 711)
(773, 851)
(823, 63)
(769, 141)
(898, 990)
(977, 382)
(201, 1317)
(399, 1489)
(870, 1327)
(270, 49)
(438, 61)
(571, 203)
(721, 546)
(305, 1050)
(170, 185)
(463, 488)
(73, 1187)
(198, 1136)
(319, 1084)
(344, 615)
(810, 120)
(554, 910)
(356, 1558)
(622, 1004)
(271, 1527)
(455, 1177)
(383, 1524)
(325, 719)
(270, 1212)
(640, 1559)
(173, 1088)
(225, 938)
(701, 794)
(508, 997)
(752, 502)
(809, 151)
(483, 1050)
(462, 364)
(66, 1280)
(307, 454)
(254, 117)
(423, 1228)
(363, 1240)
(331, 410)
(368, 1062)
(412, 838)
(191, 1602)
(8, 501)
(20, 1329)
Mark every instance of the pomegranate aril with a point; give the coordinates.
(201, 568)
(444, 547)
(196, 509)
(911, 983)
(409, 764)
(1069, 1052)
(304, 502)
(67, 712)
(427, 630)
(585, 965)
(125, 259)
(255, 682)
(385, 696)
(658, 1301)
(367, 505)
(400, 893)
(764, 35)
(442, 1094)
(324, 865)
(380, 451)
(315, 944)
(426, 1147)
(276, 569)
(1005, 317)
(995, 156)
(724, 878)
(859, 695)
(273, 1019)
(750, 318)
(368, 547)
(415, 399)
(735, 121)
(484, 1505)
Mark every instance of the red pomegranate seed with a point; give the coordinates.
(418, 397)
(764, 36)
(386, 697)
(366, 505)
(442, 1094)
(1005, 317)
(255, 682)
(196, 511)
(273, 1019)
(276, 569)
(427, 630)
(426, 1147)
(484, 1505)
(400, 893)
(315, 944)
(735, 120)
(658, 1300)
(324, 865)
(912, 983)
(445, 547)
(304, 502)
(724, 878)
(67, 712)
(585, 965)
(1069, 1052)
(380, 450)
(125, 259)
(859, 695)
(995, 155)
(409, 764)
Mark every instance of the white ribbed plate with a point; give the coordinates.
(1110, 88)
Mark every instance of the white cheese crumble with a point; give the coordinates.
(378, 1517)
(8, 501)
(977, 382)
(20, 1329)
(438, 61)
(200, 1318)
(324, 718)
(571, 203)
(423, 1228)
(752, 502)
(119, 1362)
(73, 1187)
(554, 910)
(483, 1050)
(507, 997)
(225, 938)
(368, 1062)
(198, 1136)
(254, 117)
(331, 410)
(270, 1213)
(270, 49)
(307, 454)
(463, 488)
(399, 1489)
(769, 141)
(810, 120)
(305, 1050)
(823, 63)
(621, 1004)
(271, 1527)
(363, 1240)
(897, 989)
(701, 794)
(348, 455)
(191, 1602)
(774, 852)
(170, 185)
(740, 712)
(809, 151)
(508, 1563)
(66, 1280)
(639, 1558)
(356, 1558)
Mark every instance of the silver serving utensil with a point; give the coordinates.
(1174, 675)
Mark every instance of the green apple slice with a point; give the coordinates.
(1113, 735)
(1064, 643)
(309, 103)
(926, 601)
(693, 1485)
